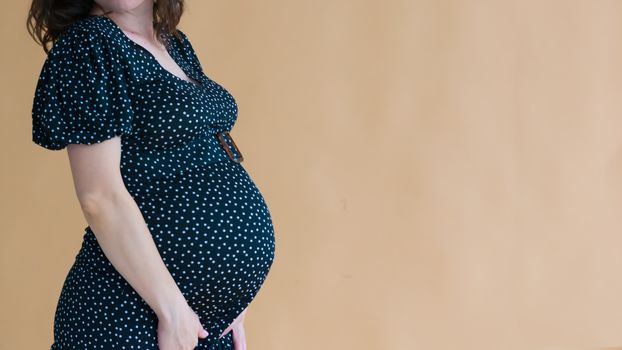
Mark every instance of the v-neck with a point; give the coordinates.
(168, 47)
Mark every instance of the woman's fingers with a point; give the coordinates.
(225, 332)
(237, 321)
(203, 333)
(228, 329)
(239, 337)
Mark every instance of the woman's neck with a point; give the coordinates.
(138, 21)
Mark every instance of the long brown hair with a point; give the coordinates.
(47, 19)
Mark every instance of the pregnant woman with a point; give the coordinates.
(179, 239)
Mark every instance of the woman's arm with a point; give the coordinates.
(122, 233)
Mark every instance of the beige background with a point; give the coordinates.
(441, 174)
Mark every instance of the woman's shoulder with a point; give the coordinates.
(83, 90)
(81, 36)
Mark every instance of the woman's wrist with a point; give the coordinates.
(170, 307)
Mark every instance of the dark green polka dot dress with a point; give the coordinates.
(207, 217)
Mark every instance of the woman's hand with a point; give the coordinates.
(180, 330)
(239, 336)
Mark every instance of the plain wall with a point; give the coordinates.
(441, 174)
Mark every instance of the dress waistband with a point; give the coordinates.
(139, 167)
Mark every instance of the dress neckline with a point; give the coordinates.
(168, 47)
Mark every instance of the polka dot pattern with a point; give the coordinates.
(208, 218)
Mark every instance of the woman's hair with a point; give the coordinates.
(47, 19)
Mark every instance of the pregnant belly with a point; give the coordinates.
(210, 221)
(215, 234)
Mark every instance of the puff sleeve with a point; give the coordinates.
(82, 94)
